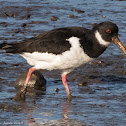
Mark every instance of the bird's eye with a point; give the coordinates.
(108, 31)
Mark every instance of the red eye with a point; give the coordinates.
(108, 31)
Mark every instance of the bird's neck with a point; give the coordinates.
(95, 45)
(100, 40)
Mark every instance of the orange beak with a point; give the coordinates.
(116, 41)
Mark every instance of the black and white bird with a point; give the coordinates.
(65, 48)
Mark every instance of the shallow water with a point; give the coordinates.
(102, 99)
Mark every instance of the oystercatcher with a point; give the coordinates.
(65, 48)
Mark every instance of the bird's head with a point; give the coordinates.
(106, 33)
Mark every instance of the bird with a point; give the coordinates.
(65, 48)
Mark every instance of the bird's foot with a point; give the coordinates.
(69, 98)
(20, 96)
(23, 89)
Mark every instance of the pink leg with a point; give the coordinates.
(66, 86)
(31, 70)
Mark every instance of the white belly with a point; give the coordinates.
(68, 60)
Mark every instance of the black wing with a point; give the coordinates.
(53, 41)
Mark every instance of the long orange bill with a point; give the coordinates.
(119, 44)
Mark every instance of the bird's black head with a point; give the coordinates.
(107, 32)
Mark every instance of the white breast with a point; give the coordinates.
(66, 61)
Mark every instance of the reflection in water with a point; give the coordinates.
(65, 121)
(30, 119)
(65, 108)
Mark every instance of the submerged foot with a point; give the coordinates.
(20, 96)
(23, 89)
(69, 98)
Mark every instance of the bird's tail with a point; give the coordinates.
(2, 45)
(8, 47)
